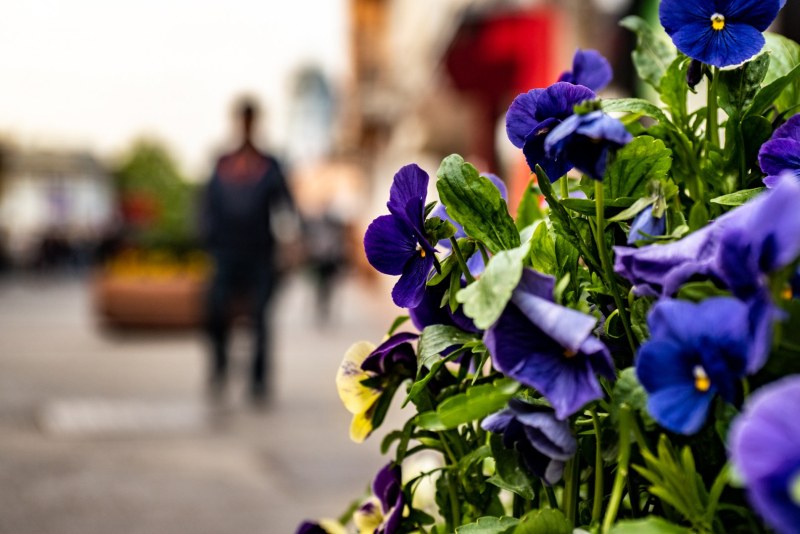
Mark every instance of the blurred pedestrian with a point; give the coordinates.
(241, 200)
(325, 238)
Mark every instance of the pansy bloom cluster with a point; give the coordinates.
(628, 358)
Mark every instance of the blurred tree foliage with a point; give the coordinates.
(157, 202)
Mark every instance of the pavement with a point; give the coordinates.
(105, 432)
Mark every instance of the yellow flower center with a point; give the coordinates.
(787, 293)
(701, 381)
(569, 353)
(794, 488)
(421, 251)
(718, 21)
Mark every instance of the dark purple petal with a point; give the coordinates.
(789, 129)
(396, 350)
(590, 69)
(430, 310)
(559, 100)
(537, 284)
(498, 422)
(554, 166)
(410, 184)
(409, 290)
(386, 484)
(764, 448)
(568, 327)
(308, 527)
(549, 435)
(779, 155)
(389, 244)
(521, 117)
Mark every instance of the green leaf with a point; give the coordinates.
(634, 105)
(544, 521)
(489, 525)
(528, 211)
(698, 216)
(738, 87)
(634, 209)
(653, 54)
(699, 291)
(674, 89)
(485, 299)
(766, 97)
(543, 250)
(476, 403)
(436, 338)
(628, 390)
(651, 525)
(397, 323)
(585, 206)
(476, 203)
(508, 471)
(635, 165)
(738, 198)
(785, 56)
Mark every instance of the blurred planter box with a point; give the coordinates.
(150, 292)
(122, 301)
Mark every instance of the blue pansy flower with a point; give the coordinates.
(765, 448)
(534, 114)
(720, 32)
(431, 311)
(475, 263)
(781, 154)
(695, 352)
(549, 347)
(544, 442)
(645, 226)
(590, 69)
(325, 526)
(396, 243)
(738, 251)
(585, 141)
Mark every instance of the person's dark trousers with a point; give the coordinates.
(240, 278)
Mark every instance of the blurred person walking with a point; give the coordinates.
(242, 198)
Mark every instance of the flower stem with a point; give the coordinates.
(605, 262)
(461, 262)
(564, 187)
(712, 126)
(484, 253)
(597, 506)
(622, 467)
(572, 483)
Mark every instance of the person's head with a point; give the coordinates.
(246, 116)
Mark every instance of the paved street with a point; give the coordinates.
(111, 433)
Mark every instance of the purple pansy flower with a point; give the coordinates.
(781, 154)
(475, 263)
(544, 442)
(645, 225)
(585, 141)
(396, 243)
(394, 355)
(323, 527)
(695, 352)
(720, 33)
(765, 448)
(383, 512)
(590, 69)
(430, 311)
(534, 114)
(549, 347)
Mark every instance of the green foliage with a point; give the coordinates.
(638, 163)
(476, 403)
(738, 87)
(475, 203)
(544, 521)
(508, 474)
(148, 172)
(489, 525)
(486, 299)
(784, 57)
(651, 525)
(653, 55)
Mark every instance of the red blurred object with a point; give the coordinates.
(139, 208)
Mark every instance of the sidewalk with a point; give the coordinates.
(108, 433)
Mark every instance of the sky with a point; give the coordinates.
(96, 74)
